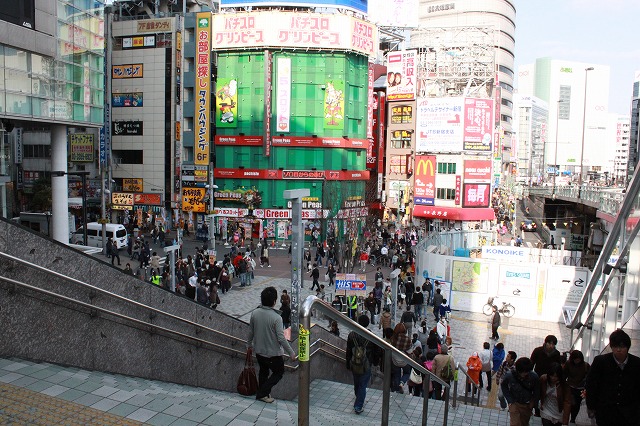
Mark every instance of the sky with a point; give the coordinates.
(593, 31)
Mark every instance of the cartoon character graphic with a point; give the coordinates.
(227, 101)
(333, 105)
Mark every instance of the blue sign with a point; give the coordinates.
(357, 5)
(425, 274)
(351, 282)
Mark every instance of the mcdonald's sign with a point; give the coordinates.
(424, 184)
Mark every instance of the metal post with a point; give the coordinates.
(84, 205)
(297, 242)
(584, 116)
(304, 371)
(212, 188)
(394, 293)
(386, 387)
(103, 210)
(171, 250)
(425, 399)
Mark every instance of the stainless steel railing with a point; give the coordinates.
(304, 377)
(474, 385)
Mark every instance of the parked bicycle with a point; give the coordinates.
(507, 309)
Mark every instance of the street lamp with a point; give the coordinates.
(83, 175)
(584, 116)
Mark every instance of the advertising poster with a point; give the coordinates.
(476, 195)
(478, 124)
(283, 94)
(517, 281)
(352, 283)
(192, 200)
(477, 171)
(470, 277)
(439, 125)
(126, 99)
(81, 147)
(334, 104)
(202, 94)
(401, 75)
(424, 187)
(226, 102)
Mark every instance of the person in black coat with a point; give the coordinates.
(373, 352)
(613, 384)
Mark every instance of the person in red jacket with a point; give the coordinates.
(474, 368)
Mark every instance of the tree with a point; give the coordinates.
(41, 199)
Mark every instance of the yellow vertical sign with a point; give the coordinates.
(203, 89)
(303, 344)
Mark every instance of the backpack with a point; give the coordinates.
(447, 373)
(359, 360)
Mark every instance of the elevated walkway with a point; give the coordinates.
(43, 393)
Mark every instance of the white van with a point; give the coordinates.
(94, 235)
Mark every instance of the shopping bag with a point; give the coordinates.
(248, 382)
(287, 333)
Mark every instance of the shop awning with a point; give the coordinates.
(454, 213)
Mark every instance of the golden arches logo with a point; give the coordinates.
(423, 167)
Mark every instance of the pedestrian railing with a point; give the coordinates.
(304, 375)
(474, 386)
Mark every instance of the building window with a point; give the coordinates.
(564, 108)
(401, 139)
(37, 151)
(398, 164)
(446, 194)
(401, 114)
(447, 168)
(128, 156)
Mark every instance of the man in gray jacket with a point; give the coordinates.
(266, 338)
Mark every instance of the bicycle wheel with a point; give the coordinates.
(487, 309)
(508, 310)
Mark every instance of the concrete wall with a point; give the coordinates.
(40, 327)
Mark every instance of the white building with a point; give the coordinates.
(619, 130)
(530, 134)
(563, 85)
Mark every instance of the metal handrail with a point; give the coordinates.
(476, 386)
(312, 302)
(118, 297)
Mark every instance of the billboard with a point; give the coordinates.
(478, 124)
(227, 102)
(477, 170)
(439, 125)
(127, 71)
(356, 5)
(21, 12)
(401, 75)
(283, 94)
(394, 13)
(476, 195)
(334, 104)
(424, 187)
(278, 29)
(133, 99)
(81, 147)
(203, 91)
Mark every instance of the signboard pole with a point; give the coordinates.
(297, 241)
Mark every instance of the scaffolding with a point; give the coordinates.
(456, 61)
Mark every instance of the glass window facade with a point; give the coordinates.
(69, 86)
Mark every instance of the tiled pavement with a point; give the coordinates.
(33, 393)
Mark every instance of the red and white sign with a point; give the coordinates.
(439, 124)
(292, 174)
(477, 171)
(279, 29)
(277, 214)
(370, 105)
(225, 211)
(478, 124)
(293, 141)
(476, 195)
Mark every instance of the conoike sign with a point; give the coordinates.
(517, 254)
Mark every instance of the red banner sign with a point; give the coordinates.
(458, 190)
(148, 199)
(476, 195)
(454, 213)
(293, 141)
(477, 170)
(424, 189)
(292, 174)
